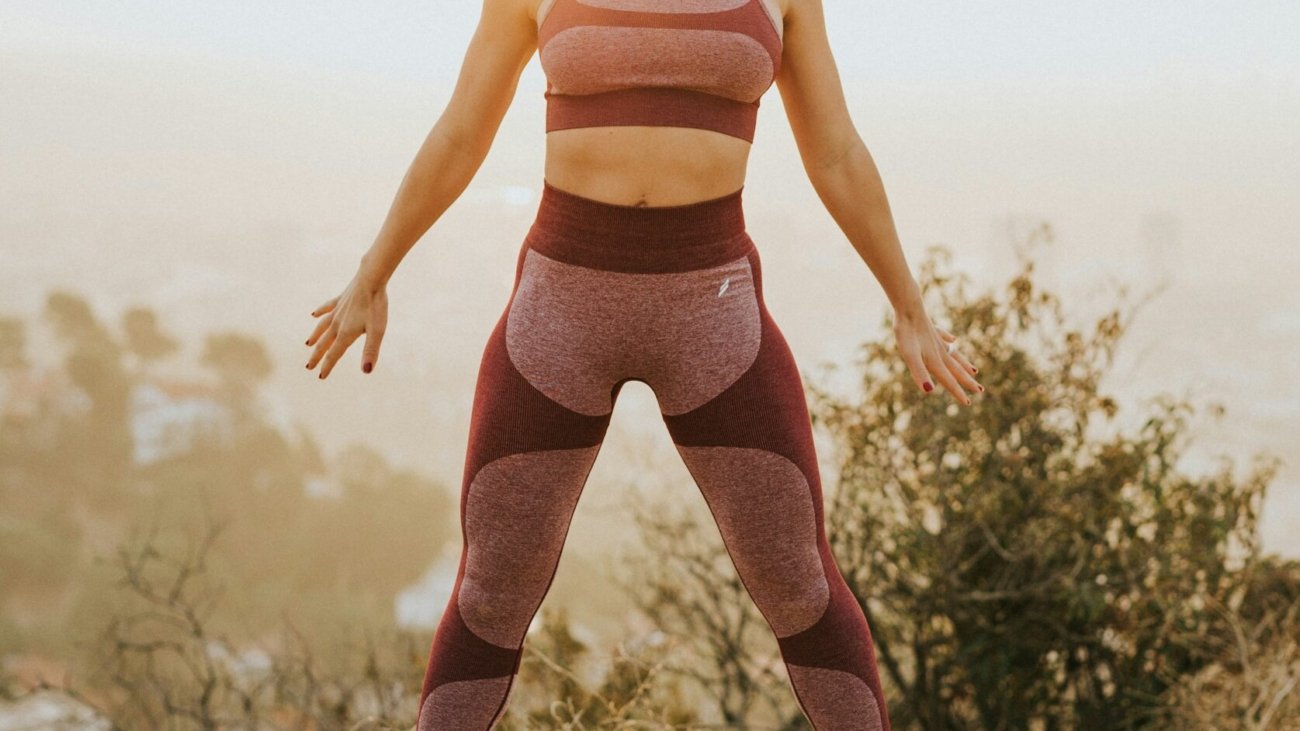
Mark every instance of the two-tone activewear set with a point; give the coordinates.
(671, 296)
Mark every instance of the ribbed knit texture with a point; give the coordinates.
(670, 296)
(677, 63)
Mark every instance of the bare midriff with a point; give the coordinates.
(645, 165)
(648, 166)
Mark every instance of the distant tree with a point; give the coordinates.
(360, 467)
(311, 459)
(1022, 566)
(15, 442)
(296, 544)
(384, 529)
(236, 357)
(13, 344)
(74, 320)
(241, 363)
(102, 440)
(144, 336)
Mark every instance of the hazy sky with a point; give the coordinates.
(196, 156)
(924, 40)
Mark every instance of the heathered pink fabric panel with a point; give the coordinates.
(764, 510)
(464, 704)
(700, 332)
(517, 515)
(565, 332)
(574, 331)
(601, 57)
(834, 699)
(753, 18)
(590, 59)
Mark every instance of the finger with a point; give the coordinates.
(915, 364)
(325, 307)
(322, 345)
(321, 326)
(961, 373)
(934, 360)
(374, 336)
(336, 351)
(966, 364)
(945, 334)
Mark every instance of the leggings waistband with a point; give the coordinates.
(617, 237)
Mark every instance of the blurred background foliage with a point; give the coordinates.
(1039, 560)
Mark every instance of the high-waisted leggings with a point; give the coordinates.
(671, 296)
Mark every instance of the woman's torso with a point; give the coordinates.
(650, 165)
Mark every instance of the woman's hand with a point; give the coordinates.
(361, 308)
(924, 348)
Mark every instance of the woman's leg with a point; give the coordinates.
(748, 443)
(671, 296)
(526, 464)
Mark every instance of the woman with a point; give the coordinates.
(638, 266)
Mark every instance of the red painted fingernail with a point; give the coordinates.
(322, 374)
(366, 367)
(927, 386)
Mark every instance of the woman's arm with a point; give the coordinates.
(501, 47)
(845, 177)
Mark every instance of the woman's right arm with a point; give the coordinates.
(454, 149)
(502, 45)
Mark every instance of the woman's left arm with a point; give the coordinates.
(845, 177)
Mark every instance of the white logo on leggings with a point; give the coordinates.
(723, 288)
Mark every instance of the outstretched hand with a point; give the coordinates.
(359, 309)
(931, 354)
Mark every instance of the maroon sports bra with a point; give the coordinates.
(671, 63)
